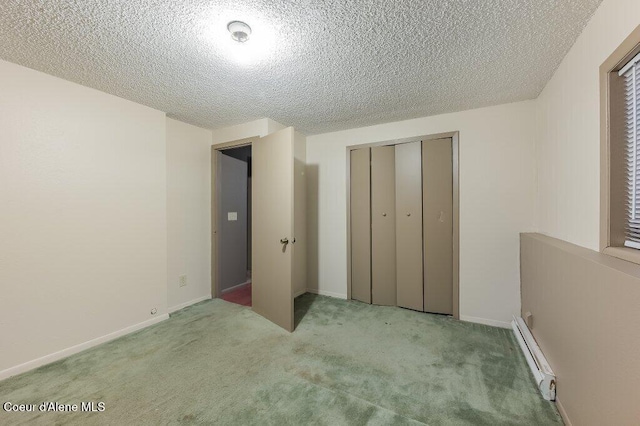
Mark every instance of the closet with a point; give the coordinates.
(402, 225)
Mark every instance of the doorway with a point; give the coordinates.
(275, 237)
(233, 166)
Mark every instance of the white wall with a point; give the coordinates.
(273, 126)
(240, 131)
(83, 233)
(260, 127)
(497, 193)
(188, 213)
(568, 129)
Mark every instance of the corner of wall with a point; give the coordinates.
(257, 127)
(188, 201)
(273, 126)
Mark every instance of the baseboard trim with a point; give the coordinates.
(485, 321)
(300, 293)
(327, 293)
(64, 353)
(176, 308)
(563, 413)
(235, 287)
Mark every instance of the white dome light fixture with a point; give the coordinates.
(239, 31)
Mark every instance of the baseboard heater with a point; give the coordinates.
(537, 362)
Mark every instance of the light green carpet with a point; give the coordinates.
(347, 363)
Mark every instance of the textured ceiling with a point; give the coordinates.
(317, 65)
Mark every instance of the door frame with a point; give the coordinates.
(456, 205)
(215, 193)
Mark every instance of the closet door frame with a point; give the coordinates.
(456, 206)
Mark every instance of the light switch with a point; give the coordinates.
(232, 216)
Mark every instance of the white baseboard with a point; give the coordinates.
(485, 321)
(563, 413)
(327, 293)
(299, 293)
(48, 359)
(235, 287)
(175, 308)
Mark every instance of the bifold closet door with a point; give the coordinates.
(360, 209)
(409, 279)
(438, 225)
(383, 226)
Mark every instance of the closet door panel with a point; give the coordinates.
(360, 205)
(438, 225)
(409, 279)
(383, 226)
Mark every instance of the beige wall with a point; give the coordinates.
(497, 193)
(83, 225)
(585, 319)
(584, 304)
(188, 213)
(568, 131)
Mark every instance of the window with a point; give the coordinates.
(620, 151)
(631, 75)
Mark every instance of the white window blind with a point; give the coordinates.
(631, 74)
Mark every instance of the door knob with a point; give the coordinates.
(284, 241)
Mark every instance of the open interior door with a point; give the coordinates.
(273, 227)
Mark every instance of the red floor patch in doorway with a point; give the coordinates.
(241, 296)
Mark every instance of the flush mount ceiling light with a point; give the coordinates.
(231, 39)
(239, 31)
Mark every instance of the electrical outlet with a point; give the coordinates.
(182, 281)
